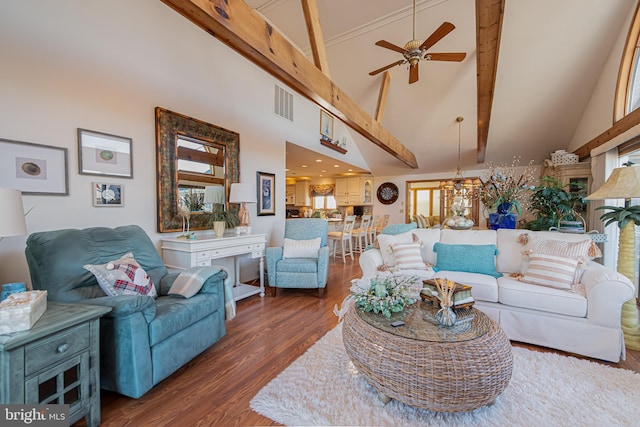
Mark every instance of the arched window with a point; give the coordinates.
(628, 90)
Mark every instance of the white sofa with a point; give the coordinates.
(583, 320)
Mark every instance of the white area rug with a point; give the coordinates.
(323, 388)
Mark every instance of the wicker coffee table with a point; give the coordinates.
(446, 369)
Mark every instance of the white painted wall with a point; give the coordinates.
(598, 115)
(105, 66)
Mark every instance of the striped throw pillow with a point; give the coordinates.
(552, 271)
(408, 256)
(585, 249)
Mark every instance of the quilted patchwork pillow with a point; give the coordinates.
(123, 276)
(552, 271)
(408, 256)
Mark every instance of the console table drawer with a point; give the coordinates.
(55, 348)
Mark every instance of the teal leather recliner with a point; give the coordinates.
(300, 272)
(142, 340)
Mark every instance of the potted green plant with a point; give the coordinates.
(219, 219)
(552, 202)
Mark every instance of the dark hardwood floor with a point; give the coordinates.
(267, 335)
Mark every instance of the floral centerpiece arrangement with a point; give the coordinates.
(505, 189)
(386, 294)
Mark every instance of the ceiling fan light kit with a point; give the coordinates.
(415, 50)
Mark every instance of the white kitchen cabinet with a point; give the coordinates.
(353, 191)
(302, 197)
(291, 195)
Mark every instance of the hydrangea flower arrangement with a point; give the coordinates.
(505, 185)
(386, 294)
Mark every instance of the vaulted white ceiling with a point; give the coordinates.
(551, 54)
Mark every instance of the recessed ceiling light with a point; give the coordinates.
(318, 160)
(323, 170)
(350, 170)
(303, 166)
(336, 166)
(287, 170)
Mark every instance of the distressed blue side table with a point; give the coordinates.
(57, 361)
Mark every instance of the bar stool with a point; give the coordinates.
(373, 229)
(343, 237)
(362, 232)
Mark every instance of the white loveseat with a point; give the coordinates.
(584, 319)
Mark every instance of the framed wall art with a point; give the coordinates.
(34, 168)
(103, 154)
(326, 125)
(107, 195)
(266, 193)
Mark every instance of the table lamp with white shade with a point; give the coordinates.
(12, 221)
(624, 183)
(243, 194)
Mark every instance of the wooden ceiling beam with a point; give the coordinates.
(489, 15)
(237, 25)
(316, 39)
(624, 124)
(382, 96)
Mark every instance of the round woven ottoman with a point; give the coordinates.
(446, 369)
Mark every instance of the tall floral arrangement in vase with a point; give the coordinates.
(506, 188)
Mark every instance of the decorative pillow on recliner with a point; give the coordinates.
(123, 276)
(468, 258)
(301, 248)
(189, 282)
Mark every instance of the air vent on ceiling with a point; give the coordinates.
(283, 105)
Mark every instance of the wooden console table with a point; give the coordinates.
(57, 361)
(186, 253)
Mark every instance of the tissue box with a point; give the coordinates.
(21, 310)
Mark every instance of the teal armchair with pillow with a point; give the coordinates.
(303, 260)
(144, 339)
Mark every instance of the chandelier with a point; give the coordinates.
(459, 193)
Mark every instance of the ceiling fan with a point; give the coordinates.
(416, 50)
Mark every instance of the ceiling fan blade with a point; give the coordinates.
(449, 56)
(386, 44)
(413, 73)
(386, 67)
(437, 35)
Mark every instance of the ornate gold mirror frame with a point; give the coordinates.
(170, 127)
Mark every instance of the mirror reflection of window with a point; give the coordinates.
(200, 167)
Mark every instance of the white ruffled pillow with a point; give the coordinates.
(301, 248)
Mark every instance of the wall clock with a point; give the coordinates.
(387, 193)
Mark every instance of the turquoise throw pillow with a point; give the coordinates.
(394, 229)
(468, 258)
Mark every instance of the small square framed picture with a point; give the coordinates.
(107, 195)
